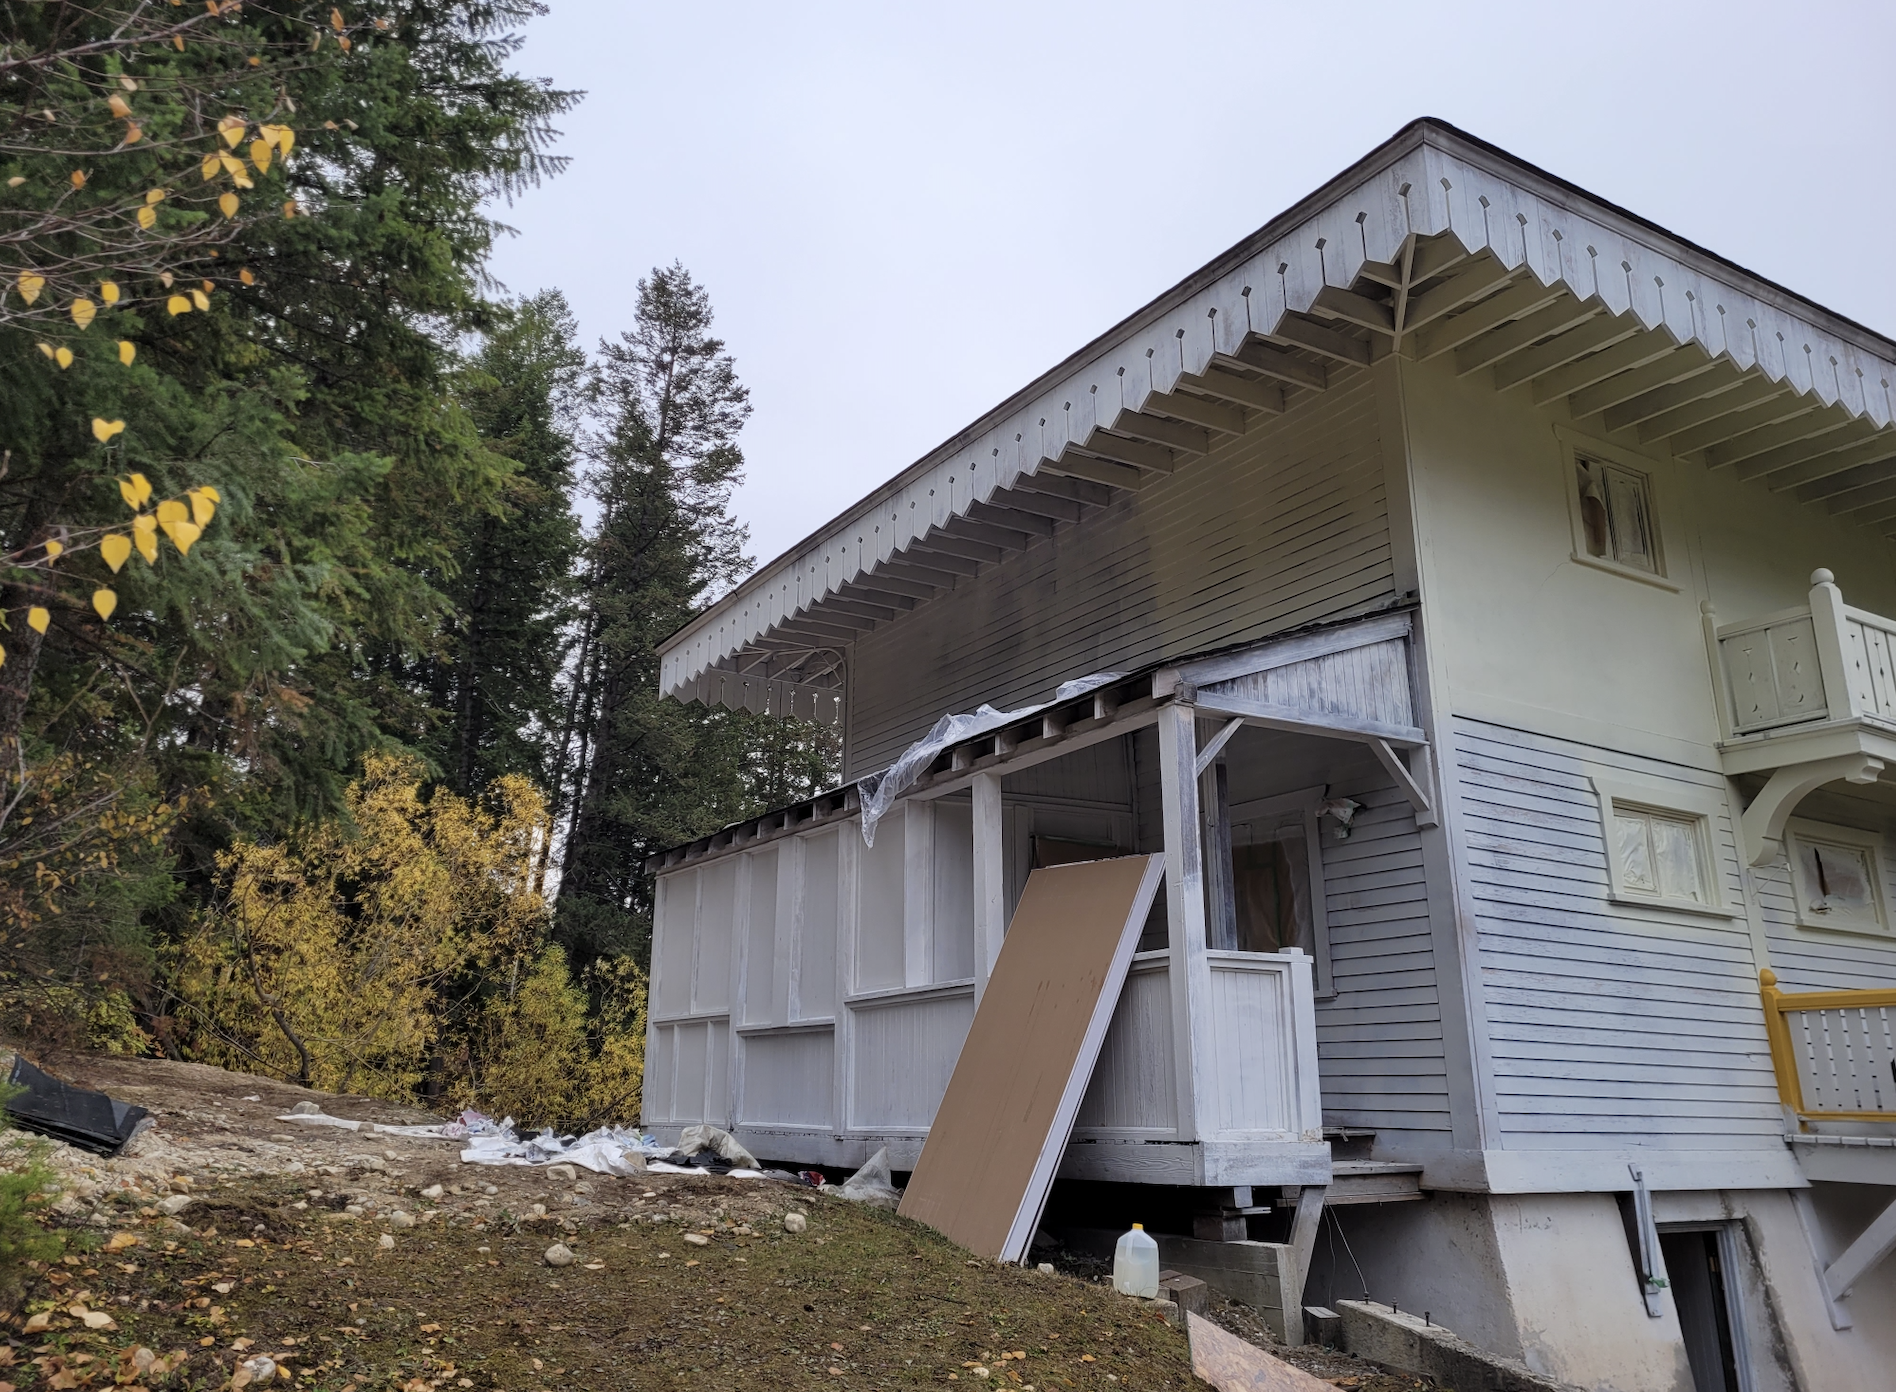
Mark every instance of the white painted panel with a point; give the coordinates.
(673, 929)
(879, 912)
(903, 1056)
(760, 936)
(789, 1079)
(1254, 1088)
(817, 922)
(691, 1050)
(1369, 683)
(954, 891)
(717, 923)
(1134, 1083)
(661, 1067)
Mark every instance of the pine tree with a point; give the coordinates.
(494, 675)
(646, 772)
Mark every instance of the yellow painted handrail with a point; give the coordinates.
(1778, 1004)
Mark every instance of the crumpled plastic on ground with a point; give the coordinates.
(873, 1183)
(612, 1150)
(696, 1138)
(308, 1114)
(878, 792)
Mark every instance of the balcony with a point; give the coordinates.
(1807, 696)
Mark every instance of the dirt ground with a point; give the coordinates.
(225, 1235)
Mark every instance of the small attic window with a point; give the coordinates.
(1616, 514)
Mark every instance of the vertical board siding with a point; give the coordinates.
(1250, 1018)
(1285, 527)
(787, 1079)
(1134, 1085)
(760, 938)
(717, 921)
(904, 1055)
(1610, 1025)
(953, 887)
(673, 927)
(1380, 1056)
(819, 910)
(880, 907)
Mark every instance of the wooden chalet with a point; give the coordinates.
(1484, 593)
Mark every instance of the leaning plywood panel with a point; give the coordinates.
(999, 1132)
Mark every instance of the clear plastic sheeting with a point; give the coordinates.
(719, 1142)
(873, 1183)
(612, 1150)
(879, 792)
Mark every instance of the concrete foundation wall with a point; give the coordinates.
(1548, 1279)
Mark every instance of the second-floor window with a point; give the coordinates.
(1616, 514)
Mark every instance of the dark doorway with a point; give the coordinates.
(1696, 1268)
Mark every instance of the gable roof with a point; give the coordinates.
(1435, 235)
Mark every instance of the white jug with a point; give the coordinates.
(1136, 1264)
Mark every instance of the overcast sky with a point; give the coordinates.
(904, 213)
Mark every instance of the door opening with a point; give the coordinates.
(1695, 1264)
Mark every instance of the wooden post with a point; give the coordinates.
(990, 878)
(1221, 907)
(1830, 625)
(1185, 909)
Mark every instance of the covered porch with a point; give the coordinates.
(811, 992)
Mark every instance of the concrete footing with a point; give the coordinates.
(1411, 1344)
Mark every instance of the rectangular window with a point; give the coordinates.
(1659, 842)
(1270, 889)
(1834, 877)
(1616, 514)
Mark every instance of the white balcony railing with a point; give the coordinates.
(1824, 661)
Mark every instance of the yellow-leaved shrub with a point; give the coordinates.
(406, 956)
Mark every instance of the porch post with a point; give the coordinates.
(1185, 909)
(990, 878)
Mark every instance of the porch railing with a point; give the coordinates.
(1823, 661)
(1834, 1052)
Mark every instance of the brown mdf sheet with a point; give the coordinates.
(985, 1169)
(1230, 1364)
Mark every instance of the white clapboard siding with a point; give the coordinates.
(1379, 1037)
(1284, 527)
(1609, 1025)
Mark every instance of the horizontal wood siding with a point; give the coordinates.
(1807, 959)
(1379, 1037)
(1285, 527)
(1611, 1025)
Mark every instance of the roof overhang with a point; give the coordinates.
(1435, 243)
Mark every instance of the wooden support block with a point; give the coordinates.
(1219, 1227)
(1187, 1292)
(1323, 1326)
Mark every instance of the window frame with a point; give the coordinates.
(1681, 801)
(1805, 829)
(1576, 448)
(1300, 807)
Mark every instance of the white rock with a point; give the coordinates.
(795, 1222)
(306, 1109)
(261, 1369)
(538, 1210)
(490, 1191)
(697, 1239)
(559, 1254)
(566, 1172)
(386, 1242)
(1045, 1268)
(174, 1205)
(400, 1218)
(433, 1191)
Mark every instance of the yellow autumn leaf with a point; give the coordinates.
(156, 195)
(29, 286)
(210, 493)
(47, 349)
(3, 657)
(145, 537)
(183, 535)
(335, 20)
(177, 304)
(212, 164)
(38, 618)
(55, 549)
(171, 510)
(177, 42)
(78, 178)
(133, 132)
(109, 291)
(165, 278)
(232, 129)
(147, 216)
(141, 490)
(232, 165)
(228, 204)
(285, 138)
(127, 351)
(117, 103)
(343, 43)
(260, 152)
(114, 547)
(130, 84)
(104, 430)
(200, 299)
(63, 357)
(104, 600)
(83, 313)
(289, 209)
(16, 181)
(202, 507)
(246, 277)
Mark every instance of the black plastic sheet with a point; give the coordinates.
(90, 1120)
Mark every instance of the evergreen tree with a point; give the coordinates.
(495, 671)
